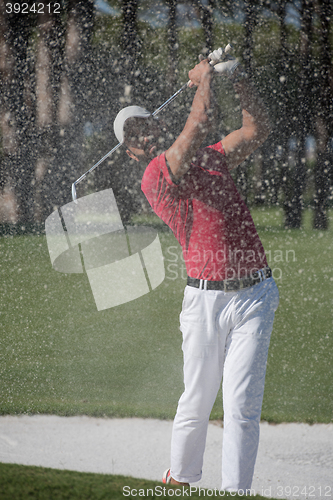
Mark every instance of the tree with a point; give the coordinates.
(130, 41)
(48, 71)
(36, 102)
(17, 113)
(65, 46)
(207, 21)
(323, 118)
(302, 120)
(251, 16)
(172, 43)
(284, 115)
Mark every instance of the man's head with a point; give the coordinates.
(140, 132)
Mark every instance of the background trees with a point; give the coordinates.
(65, 75)
(38, 52)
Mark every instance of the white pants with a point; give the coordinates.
(225, 335)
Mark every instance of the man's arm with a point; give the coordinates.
(238, 145)
(181, 153)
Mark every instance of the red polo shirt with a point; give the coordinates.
(207, 216)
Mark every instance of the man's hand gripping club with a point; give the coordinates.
(201, 119)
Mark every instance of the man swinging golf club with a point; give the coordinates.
(230, 298)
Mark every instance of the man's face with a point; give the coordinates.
(144, 137)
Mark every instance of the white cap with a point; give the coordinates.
(123, 115)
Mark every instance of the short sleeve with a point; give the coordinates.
(165, 168)
(218, 147)
(157, 167)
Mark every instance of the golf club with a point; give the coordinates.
(227, 50)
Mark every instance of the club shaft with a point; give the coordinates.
(91, 169)
(98, 163)
(176, 94)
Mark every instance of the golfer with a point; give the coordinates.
(230, 298)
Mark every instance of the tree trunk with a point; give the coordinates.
(242, 172)
(249, 27)
(17, 168)
(284, 118)
(294, 205)
(323, 120)
(172, 44)
(130, 40)
(207, 22)
(49, 63)
(59, 51)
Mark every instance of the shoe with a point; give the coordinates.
(166, 479)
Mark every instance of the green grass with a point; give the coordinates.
(59, 355)
(18, 482)
(299, 377)
(299, 380)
